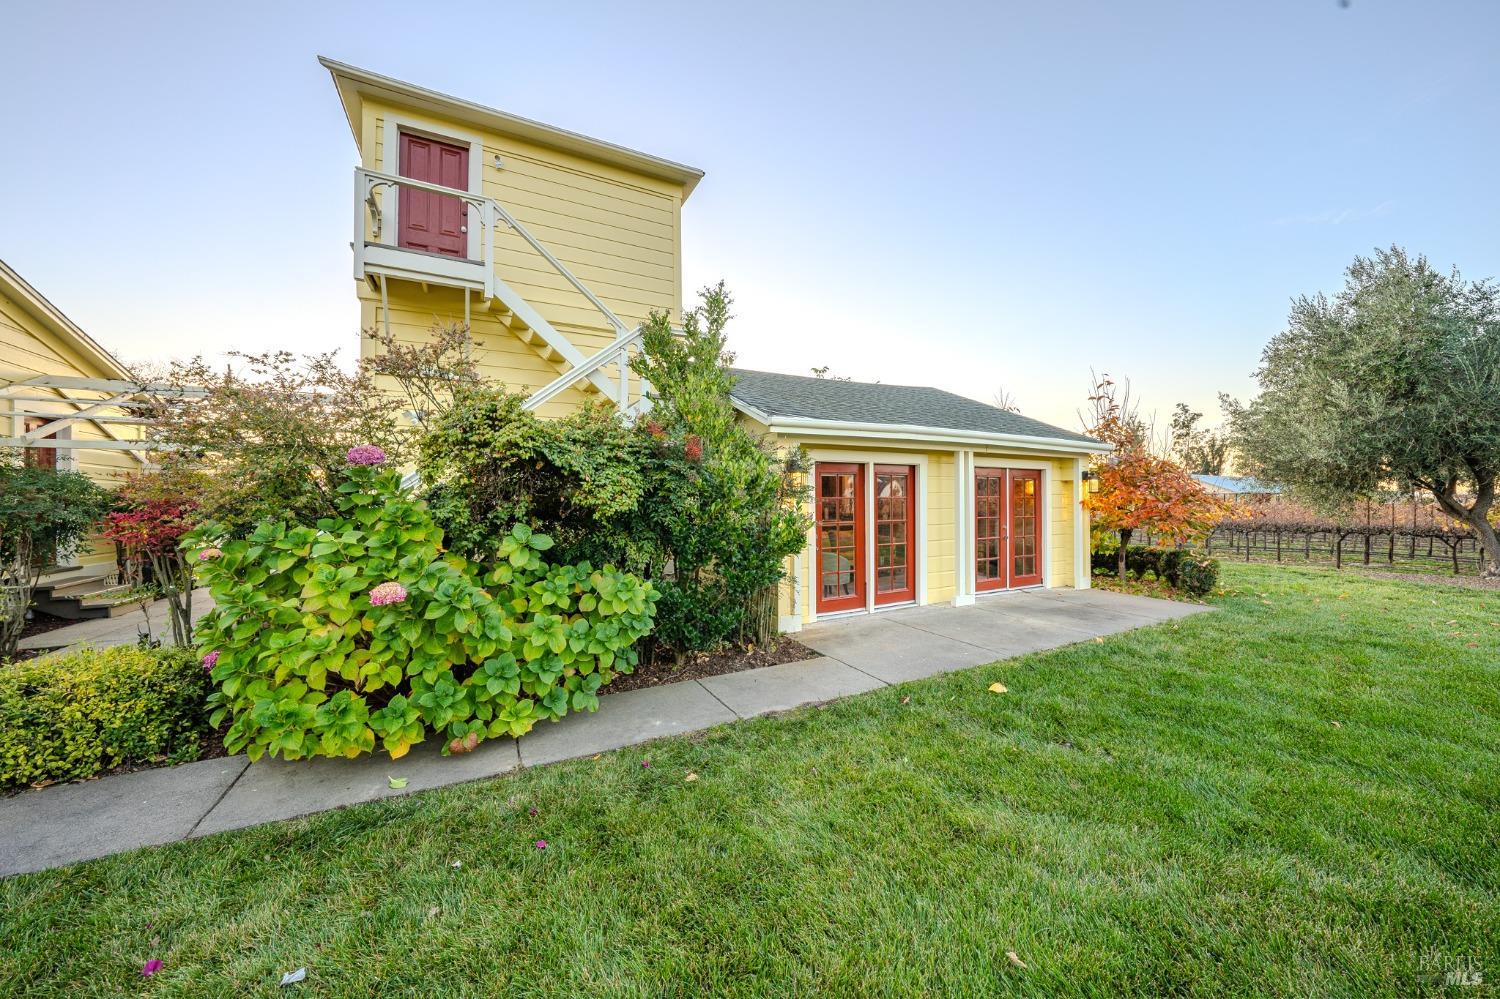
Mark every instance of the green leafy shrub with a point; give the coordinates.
(490, 464)
(326, 639)
(79, 714)
(1192, 572)
(687, 498)
(1197, 574)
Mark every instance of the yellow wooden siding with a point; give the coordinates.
(29, 346)
(942, 528)
(939, 493)
(617, 231)
(1061, 536)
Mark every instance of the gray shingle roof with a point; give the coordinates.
(897, 405)
(1237, 484)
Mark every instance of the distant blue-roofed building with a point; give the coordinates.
(1235, 487)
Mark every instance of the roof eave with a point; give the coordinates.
(916, 434)
(38, 305)
(352, 82)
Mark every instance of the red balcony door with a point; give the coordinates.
(841, 536)
(895, 533)
(436, 223)
(1007, 528)
(1025, 528)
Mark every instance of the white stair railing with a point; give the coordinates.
(370, 222)
(618, 354)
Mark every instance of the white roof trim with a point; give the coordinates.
(509, 124)
(908, 432)
(38, 304)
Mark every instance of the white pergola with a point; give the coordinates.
(113, 405)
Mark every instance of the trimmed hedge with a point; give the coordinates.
(81, 713)
(1192, 572)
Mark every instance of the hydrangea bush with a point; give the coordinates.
(326, 640)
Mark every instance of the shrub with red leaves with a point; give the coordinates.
(692, 448)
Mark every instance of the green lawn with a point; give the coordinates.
(1296, 795)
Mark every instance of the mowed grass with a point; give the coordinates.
(1296, 795)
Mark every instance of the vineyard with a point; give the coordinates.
(1403, 536)
(1433, 548)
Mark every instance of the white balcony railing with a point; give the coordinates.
(377, 250)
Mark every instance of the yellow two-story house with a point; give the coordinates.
(553, 247)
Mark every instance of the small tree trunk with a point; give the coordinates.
(1125, 533)
(17, 583)
(1367, 548)
(1338, 550)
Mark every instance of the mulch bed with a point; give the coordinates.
(40, 624)
(728, 660)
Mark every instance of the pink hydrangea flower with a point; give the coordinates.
(209, 553)
(365, 454)
(209, 661)
(151, 967)
(387, 593)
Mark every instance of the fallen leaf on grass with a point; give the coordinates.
(1010, 956)
(456, 864)
(690, 778)
(293, 977)
(432, 912)
(1338, 724)
(397, 783)
(1098, 639)
(906, 699)
(997, 688)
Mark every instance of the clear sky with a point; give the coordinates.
(1023, 191)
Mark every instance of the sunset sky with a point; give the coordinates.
(1027, 191)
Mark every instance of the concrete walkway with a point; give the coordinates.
(74, 822)
(122, 630)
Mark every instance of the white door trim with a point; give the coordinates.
(869, 459)
(390, 162)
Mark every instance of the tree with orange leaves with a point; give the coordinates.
(1139, 490)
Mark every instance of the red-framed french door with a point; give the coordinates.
(1007, 528)
(989, 529)
(1025, 565)
(895, 533)
(840, 502)
(437, 223)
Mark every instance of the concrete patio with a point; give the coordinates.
(69, 823)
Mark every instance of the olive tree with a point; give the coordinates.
(1393, 382)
